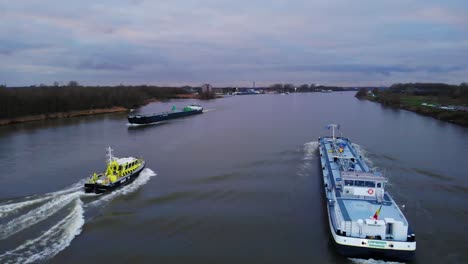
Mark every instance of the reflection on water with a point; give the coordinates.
(238, 184)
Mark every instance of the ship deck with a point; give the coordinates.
(354, 208)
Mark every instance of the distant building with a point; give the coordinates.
(206, 88)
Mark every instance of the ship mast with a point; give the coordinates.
(109, 156)
(333, 126)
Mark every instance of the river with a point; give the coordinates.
(238, 184)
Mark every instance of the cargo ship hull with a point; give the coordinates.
(364, 220)
(150, 119)
(354, 248)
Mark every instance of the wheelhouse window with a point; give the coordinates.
(349, 183)
(360, 183)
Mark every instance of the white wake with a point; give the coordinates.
(310, 153)
(372, 261)
(37, 215)
(11, 208)
(60, 234)
(50, 242)
(144, 177)
(310, 150)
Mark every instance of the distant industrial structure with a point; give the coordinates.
(277, 88)
(206, 88)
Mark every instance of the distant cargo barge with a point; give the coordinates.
(365, 221)
(175, 113)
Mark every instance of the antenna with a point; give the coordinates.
(333, 127)
(109, 156)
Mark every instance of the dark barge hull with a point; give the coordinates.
(149, 119)
(99, 188)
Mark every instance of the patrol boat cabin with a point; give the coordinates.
(120, 171)
(364, 219)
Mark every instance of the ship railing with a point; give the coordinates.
(338, 217)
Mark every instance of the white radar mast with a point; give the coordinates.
(109, 156)
(333, 127)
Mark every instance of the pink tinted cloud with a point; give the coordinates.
(438, 15)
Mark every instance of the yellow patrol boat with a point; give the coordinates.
(120, 171)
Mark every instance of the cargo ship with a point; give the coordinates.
(120, 171)
(137, 119)
(364, 220)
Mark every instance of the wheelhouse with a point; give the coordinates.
(361, 184)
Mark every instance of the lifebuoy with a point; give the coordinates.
(370, 191)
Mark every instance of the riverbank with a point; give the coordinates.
(59, 115)
(452, 116)
(69, 114)
(442, 107)
(21, 102)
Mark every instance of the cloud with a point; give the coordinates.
(227, 42)
(9, 47)
(439, 15)
(102, 65)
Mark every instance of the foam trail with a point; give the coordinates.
(144, 177)
(37, 215)
(310, 148)
(10, 208)
(51, 242)
(154, 123)
(62, 233)
(372, 261)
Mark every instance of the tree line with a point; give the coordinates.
(394, 94)
(23, 101)
(436, 96)
(304, 88)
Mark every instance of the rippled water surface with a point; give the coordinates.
(237, 184)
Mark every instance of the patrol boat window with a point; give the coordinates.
(349, 183)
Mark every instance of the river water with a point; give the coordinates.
(237, 184)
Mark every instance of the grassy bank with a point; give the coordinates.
(425, 99)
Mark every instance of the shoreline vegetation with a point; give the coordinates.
(24, 104)
(58, 115)
(441, 101)
(35, 103)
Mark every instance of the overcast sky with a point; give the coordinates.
(175, 42)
